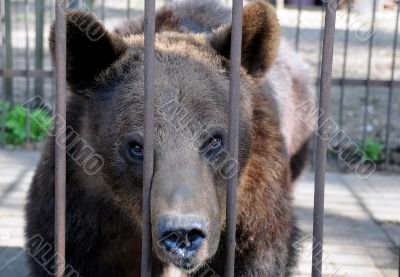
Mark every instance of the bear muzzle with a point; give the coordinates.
(181, 237)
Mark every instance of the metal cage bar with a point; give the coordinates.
(299, 12)
(3, 85)
(344, 65)
(27, 67)
(368, 86)
(391, 88)
(344, 73)
(320, 37)
(60, 144)
(103, 10)
(317, 83)
(149, 38)
(233, 143)
(322, 137)
(128, 9)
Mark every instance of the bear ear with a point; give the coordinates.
(90, 49)
(260, 38)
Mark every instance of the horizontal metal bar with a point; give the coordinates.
(361, 82)
(26, 73)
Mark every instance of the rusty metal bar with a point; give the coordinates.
(391, 88)
(149, 38)
(233, 142)
(368, 87)
(27, 67)
(299, 12)
(322, 139)
(60, 149)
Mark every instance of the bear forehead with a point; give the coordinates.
(186, 71)
(187, 100)
(175, 53)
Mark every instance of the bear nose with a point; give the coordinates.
(182, 236)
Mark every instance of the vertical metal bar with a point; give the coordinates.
(233, 143)
(391, 88)
(103, 12)
(27, 66)
(3, 87)
(368, 88)
(149, 38)
(317, 83)
(8, 57)
(299, 12)
(128, 9)
(322, 139)
(279, 4)
(321, 36)
(40, 14)
(344, 71)
(60, 149)
(344, 65)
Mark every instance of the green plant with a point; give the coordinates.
(16, 123)
(372, 149)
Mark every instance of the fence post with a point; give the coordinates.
(391, 89)
(27, 66)
(3, 93)
(8, 62)
(39, 26)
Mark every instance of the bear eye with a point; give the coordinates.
(136, 150)
(213, 144)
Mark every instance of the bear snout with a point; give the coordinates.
(182, 235)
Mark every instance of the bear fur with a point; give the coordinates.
(105, 110)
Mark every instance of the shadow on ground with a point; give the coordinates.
(13, 262)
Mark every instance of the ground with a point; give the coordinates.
(362, 220)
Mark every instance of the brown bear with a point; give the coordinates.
(188, 191)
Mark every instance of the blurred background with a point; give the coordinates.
(362, 211)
